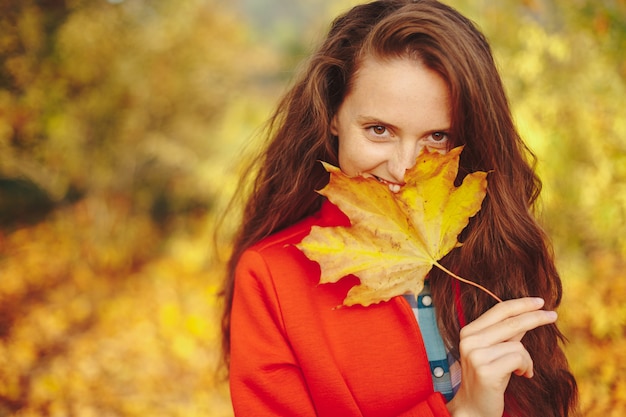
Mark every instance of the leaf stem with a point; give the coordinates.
(447, 271)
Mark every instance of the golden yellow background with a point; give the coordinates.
(124, 125)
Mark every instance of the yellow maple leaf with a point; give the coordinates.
(395, 238)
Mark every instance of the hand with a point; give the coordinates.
(491, 350)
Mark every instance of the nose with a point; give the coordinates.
(403, 160)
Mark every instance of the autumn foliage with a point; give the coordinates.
(122, 131)
(395, 238)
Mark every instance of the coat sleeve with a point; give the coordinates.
(265, 379)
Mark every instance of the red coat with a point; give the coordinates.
(293, 353)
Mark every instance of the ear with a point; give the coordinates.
(333, 126)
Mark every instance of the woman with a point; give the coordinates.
(391, 78)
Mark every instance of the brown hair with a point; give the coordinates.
(504, 248)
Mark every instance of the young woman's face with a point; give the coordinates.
(394, 109)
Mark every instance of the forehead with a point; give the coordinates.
(399, 88)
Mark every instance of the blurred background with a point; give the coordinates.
(123, 128)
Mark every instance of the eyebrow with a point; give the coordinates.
(372, 119)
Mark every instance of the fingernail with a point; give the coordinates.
(538, 300)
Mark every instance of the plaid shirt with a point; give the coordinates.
(445, 369)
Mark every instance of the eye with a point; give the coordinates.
(439, 137)
(378, 130)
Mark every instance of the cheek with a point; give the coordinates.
(345, 162)
(349, 160)
(358, 159)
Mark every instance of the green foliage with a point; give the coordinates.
(122, 131)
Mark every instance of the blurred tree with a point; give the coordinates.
(118, 110)
(134, 111)
(22, 202)
(97, 97)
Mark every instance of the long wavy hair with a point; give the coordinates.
(504, 249)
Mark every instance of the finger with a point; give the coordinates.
(517, 361)
(514, 328)
(498, 362)
(502, 311)
(509, 329)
